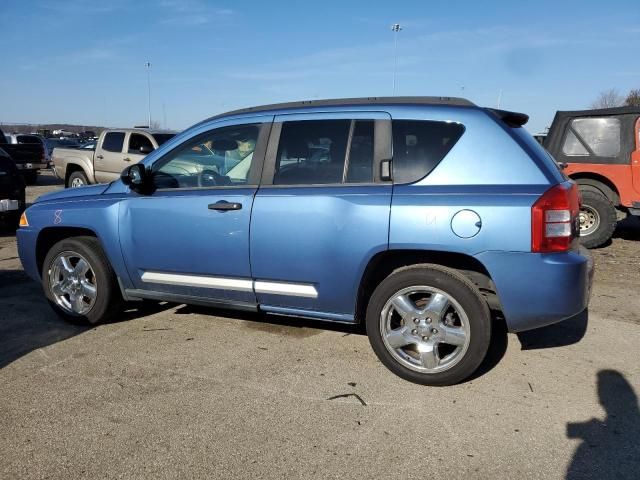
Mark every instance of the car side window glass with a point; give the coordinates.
(311, 152)
(599, 137)
(419, 146)
(360, 168)
(113, 142)
(139, 144)
(220, 157)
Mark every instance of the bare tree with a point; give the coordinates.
(633, 99)
(608, 99)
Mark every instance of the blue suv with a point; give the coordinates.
(418, 216)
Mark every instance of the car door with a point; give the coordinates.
(190, 237)
(109, 157)
(321, 213)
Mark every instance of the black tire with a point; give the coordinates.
(30, 178)
(108, 301)
(457, 287)
(77, 176)
(596, 204)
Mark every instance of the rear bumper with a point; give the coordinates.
(26, 167)
(8, 205)
(540, 289)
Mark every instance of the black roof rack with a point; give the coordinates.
(599, 111)
(336, 102)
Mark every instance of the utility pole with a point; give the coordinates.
(395, 28)
(148, 67)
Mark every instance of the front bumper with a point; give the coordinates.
(537, 289)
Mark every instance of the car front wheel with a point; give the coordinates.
(428, 324)
(79, 282)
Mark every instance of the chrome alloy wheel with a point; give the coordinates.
(589, 220)
(77, 182)
(72, 283)
(425, 329)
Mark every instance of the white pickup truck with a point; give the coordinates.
(114, 150)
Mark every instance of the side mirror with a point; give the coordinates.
(145, 149)
(136, 177)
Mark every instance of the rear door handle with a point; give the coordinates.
(223, 206)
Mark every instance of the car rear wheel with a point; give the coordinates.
(428, 324)
(77, 179)
(79, 282)
(597, 218)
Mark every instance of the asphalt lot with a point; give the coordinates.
(172, 391)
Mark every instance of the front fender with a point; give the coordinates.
(98, 215)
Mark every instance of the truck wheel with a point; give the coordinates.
(79, 282)
(77, 179)
(30, 178)
(428, 324)
(597, 218)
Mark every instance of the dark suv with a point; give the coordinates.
(12, 189)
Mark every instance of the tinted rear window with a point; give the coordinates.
(28, 139)
(163, 137)
(113, 142)
(419, 146)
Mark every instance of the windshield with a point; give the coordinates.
(163, 137)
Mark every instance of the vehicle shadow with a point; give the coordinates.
(560, 334)
(27, 323)
(275, 323)
(628, 229)
(609, 447)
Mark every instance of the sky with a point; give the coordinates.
(83, 62)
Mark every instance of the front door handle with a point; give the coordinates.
(223, 206)
(99, 157)
(126, 159)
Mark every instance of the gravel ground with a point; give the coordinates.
(172, 391)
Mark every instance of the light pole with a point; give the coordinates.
(148, 66)
(395, 28)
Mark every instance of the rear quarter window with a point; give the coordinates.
(420, 145)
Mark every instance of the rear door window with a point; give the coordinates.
(28, 139)
(597, 137)
(419, 146)
(138, 142)
(113, 142)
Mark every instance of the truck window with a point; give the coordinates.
(598, 137)
(419, 146)
(162, 137)
(28, 139)
(138, 141)
(113, 142)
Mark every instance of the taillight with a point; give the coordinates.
(553, 219)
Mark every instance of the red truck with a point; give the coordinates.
(600, 150)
